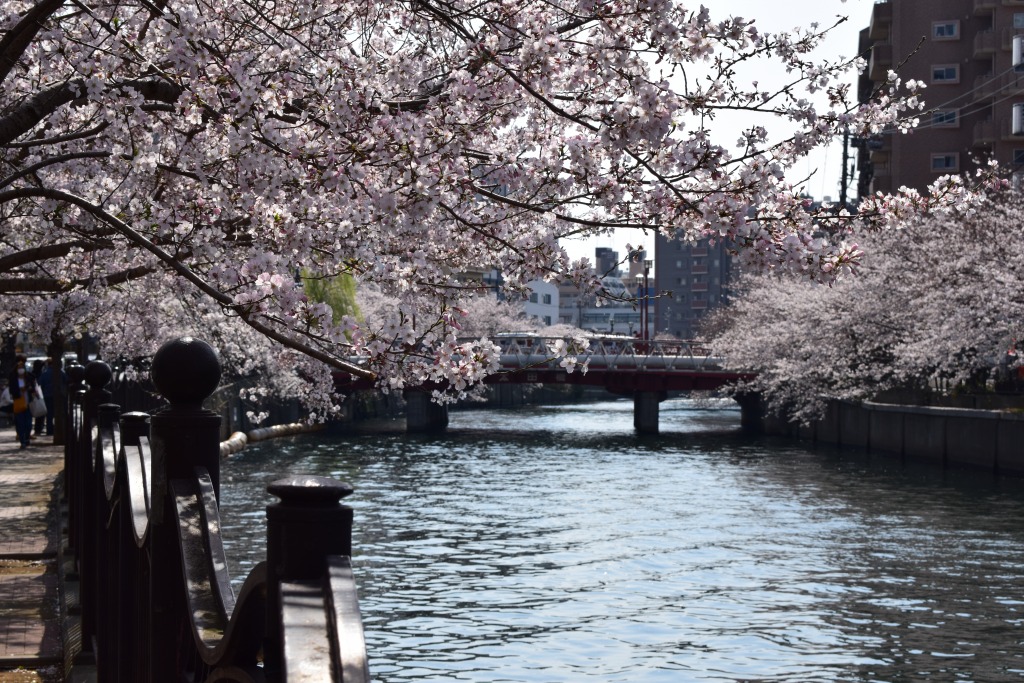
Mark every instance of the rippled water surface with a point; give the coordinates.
(553, 544)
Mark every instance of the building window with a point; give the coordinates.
(533, 298)
(946, 162)
(944, 118)
(1018, 19)
(547, 320)
(946, 73)
(945, 30)
(547, 300)
(1018, 158)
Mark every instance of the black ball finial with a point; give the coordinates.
(185, 371)
(97, 374)
(76, 373)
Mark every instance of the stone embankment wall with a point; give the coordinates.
(948, 437)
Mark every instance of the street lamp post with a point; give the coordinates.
(645, 304)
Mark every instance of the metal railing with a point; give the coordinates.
(610, 353)
(157, 603)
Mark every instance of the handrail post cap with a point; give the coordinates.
(186, 371)
(309, 491)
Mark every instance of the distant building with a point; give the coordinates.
(963, 50)
(617, 311)
(692, 280)
(543, 302)
(606, 262)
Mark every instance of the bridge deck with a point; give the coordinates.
(621, 365)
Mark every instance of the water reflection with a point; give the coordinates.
(555, 545)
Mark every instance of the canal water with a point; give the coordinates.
(553, 544)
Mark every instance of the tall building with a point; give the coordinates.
(963, 50)
(606, 262)
(692, 280)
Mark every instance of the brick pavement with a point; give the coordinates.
(30, 616)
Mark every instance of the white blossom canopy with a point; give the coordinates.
(936, 304)
(232, 145)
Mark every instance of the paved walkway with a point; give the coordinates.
(30, 620)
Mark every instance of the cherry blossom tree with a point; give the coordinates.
(935, 305)
(232, 146)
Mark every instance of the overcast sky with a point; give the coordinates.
(826, 164)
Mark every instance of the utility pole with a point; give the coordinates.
(843, 181)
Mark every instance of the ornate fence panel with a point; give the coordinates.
(144, 526)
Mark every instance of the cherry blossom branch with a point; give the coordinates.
(18, 39)
(244, 312)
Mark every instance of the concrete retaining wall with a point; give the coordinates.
(949, 437)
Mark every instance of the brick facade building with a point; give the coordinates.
(964, 51)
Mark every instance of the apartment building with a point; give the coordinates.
(965, 51)
(692, 280)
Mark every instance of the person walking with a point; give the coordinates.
(48, 387)
(37, 372)
(22, 387)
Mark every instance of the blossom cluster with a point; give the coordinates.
(936, 305)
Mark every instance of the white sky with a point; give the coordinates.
(825, 164)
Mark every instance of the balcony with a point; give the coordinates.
(881, 20)
(1006, 37)
(699, 270)
(984, 43)
(984, 6)
(1012, 84)
(881, 184)
(881, 168)
(880, 61)
(986, 86)
(984, 133)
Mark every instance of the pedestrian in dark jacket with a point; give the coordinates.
(22, 386)
(49, 388)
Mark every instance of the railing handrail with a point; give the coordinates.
(612, 353)
(143, 507)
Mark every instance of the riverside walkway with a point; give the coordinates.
(31, 643)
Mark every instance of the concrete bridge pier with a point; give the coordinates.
(752, 411)
(645, 410)
(423, 415)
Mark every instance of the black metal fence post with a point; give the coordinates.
(131, 571)
(105, 585)
(307, 526)
(97, 376)
(72, 471)
(183, 436)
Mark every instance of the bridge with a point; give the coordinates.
(644, 369)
